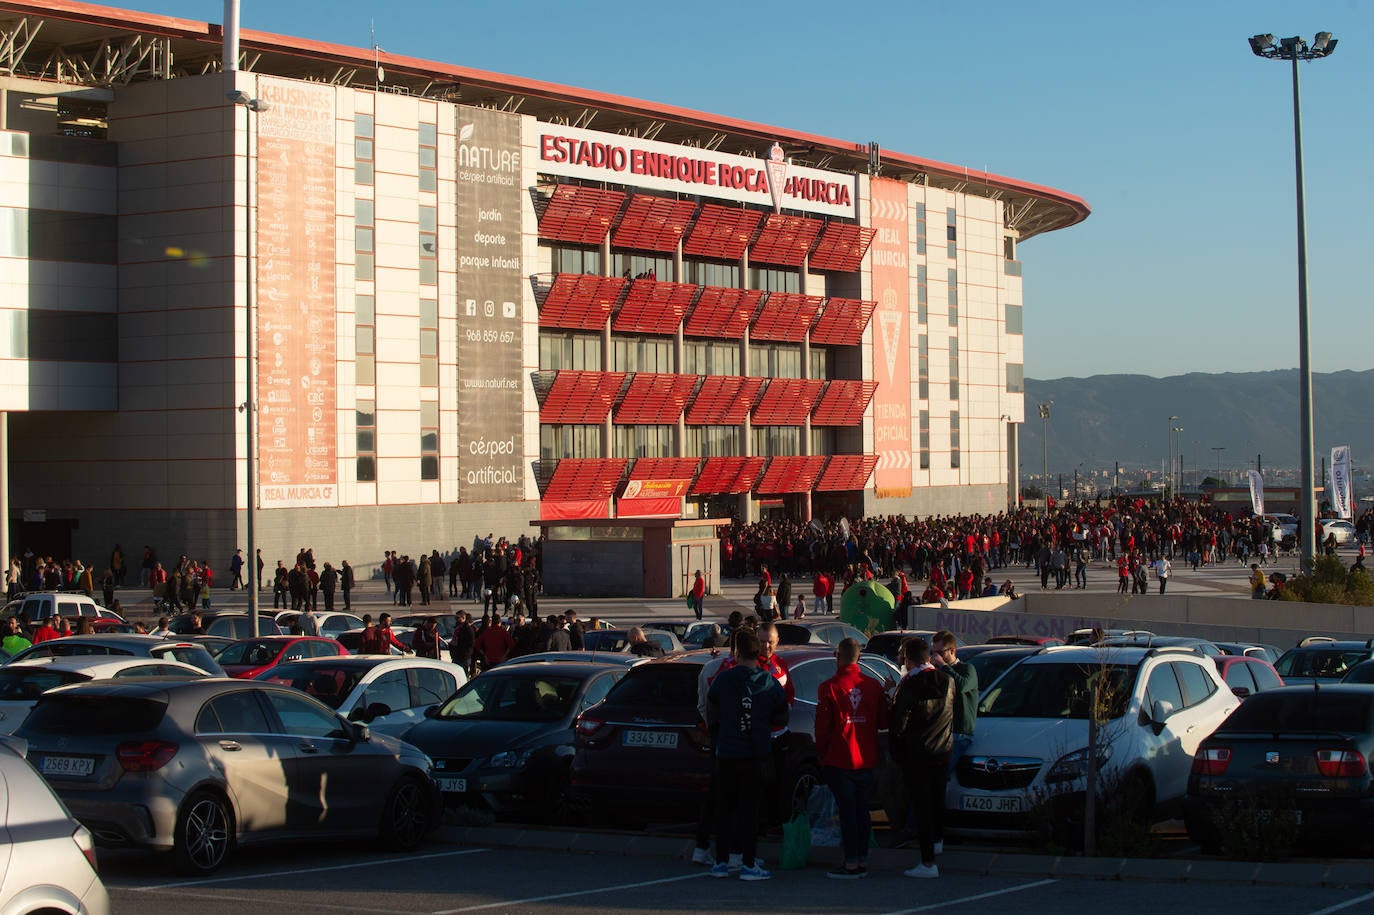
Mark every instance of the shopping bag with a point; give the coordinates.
(796, 842)
(691, 604)
(824, 816)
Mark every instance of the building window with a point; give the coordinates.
(819, 363)
(774, 279)
(429, 246)
(366, 421)
(580, 352)
(429, 343)
(822, 440)
(951, 233)
(953, 298)
(920, 228)
(776, 441)
(364, 242)
(643, 441)
(922, 293)
(710, 273)
(953, 368)
(1016, 378)
(1013, 313)
(569, 441)
(641, 354)
(429, 157)
(775, 360)
(923, 367)
(712, 441)
(365, 318)
(702, 357)
(575, 260)
(429, 439)
(364, 156)
(924, 440)
(642, 266)
(954, 439)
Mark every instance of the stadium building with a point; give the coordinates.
(473, 301)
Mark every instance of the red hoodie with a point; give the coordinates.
(850, 710)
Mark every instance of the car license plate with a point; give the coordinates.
(663, 740)
(453, 785)
(68, 765)
(1285, 817)
(990, 804)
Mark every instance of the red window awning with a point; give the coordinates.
(651, 307)
(727, 475)
(653, 223)
(842, 322)
(841, 247)
(582, 215)
(843, 403)
(579, 479)
(669, 468)
(655, 398)
(580, 301)
(786, 401)
(784, 240)
(790, 474)
(723, 400)
(581, 397)
(785, 316)
(722, 313)
(721, 232)
(847, 472)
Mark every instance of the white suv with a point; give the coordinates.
(1026, 767)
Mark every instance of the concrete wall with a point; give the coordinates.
(941, 500)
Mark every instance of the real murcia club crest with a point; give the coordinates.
(890, 328)
(777, 175)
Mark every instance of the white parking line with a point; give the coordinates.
(953, 902)
(258, 901)
(592, 892)
(1345, 905)
(302, 870)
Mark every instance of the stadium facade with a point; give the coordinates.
(477, 301)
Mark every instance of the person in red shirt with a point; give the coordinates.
(850, 711)
(698, 593)
(493, 644)
(932, 593)
(46, 631)
(822, 586)
(378, 638)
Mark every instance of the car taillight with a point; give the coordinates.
(699, 736)
(84, 841)
(1340, 763)
(1211, 761)
(145, 755)
(587, 725)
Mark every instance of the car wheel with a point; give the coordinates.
(404, 821)
(204, 831)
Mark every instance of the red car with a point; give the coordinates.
(1246, 674)
(247, 658)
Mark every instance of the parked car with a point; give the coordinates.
(1283, 530)
(141, 646)
(332, 622)
(22, 683)
(389, 695)
(991, 661)
(1090, 635)
(1247, 675)
(39, 605)
(1029, 754)
(504, 741)
(247, 658)
(691, 632)
(1320, 658)
(110, 624)
(197, 767)
(644, 753)
(619, 640)
(233, 624)
(1342, 530)
(1150, 640)
(1270, 653)
(888, 643)
(353, 640)
(1362, 672)
(1297, 757)
(49, 858)
(1042, 641)
(824, 632)
(624, 658)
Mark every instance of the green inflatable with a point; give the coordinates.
(867, 605)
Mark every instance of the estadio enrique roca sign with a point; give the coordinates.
(573, 152)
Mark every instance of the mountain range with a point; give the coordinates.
(1102, 419)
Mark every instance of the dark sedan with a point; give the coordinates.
(504, 740)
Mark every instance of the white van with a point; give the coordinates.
(40, 605)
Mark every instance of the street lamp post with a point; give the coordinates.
(1296, 49)
(1176, 465)
(1045, 446)
(1169, 465)
(252, 106)
(1218, 449)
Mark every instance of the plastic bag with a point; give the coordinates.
(691, 603)
(796, 843)
(824, 816)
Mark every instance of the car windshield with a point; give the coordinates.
(526, 696)
(195, 655)
(254, 652)
(1057, 690)
(991, 664)
(605, 640)
(1302, 711)
(93, 716)
(21, 684)
(1319, 662)
(657, 686)
(329, 683)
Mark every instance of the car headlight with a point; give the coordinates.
(510, 759)
(1074, 765)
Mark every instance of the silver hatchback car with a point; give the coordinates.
(195, 767)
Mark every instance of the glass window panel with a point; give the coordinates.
(367, 369)
(429, 312)
(364, 269)
(365, 339)
(429, 371)
(362, 148)
(428, 156)
(364, 212)
(367, 441)
(367, 468)
(429, 135)
(429, 467)
(429, 181)
(429, 271)
(429, 413)
(366, 308)
(362, 173)
(363, 240)
(429, 343)
(429, 219)
(363, 125)
(1013, 318)
(429, 442)
(1016, 382)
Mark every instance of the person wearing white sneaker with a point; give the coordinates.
(920, 739)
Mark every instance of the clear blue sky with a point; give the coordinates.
(1155, 113)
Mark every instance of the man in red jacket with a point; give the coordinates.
(850, 710)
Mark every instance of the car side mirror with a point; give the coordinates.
(1240, 692)
(432, 711)
(1159, 713)
(361, 732)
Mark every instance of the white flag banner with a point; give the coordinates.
(1257, 492)
(1340, 482)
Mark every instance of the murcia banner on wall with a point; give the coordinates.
(891, 340)
(1341, 502)
(574, 152)
(1257, 492)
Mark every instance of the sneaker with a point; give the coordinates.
(719, 869)
(703, 857)
(940, 846)
(922, 870)
(753, 873)
(846, 873)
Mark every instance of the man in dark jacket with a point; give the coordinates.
(920, 740)
(461, 642)
(329, 582)
(346, 581)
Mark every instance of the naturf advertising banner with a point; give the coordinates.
(297, 399)
(652, 499)
(891, 340)
(577, 153)
(490, 285)
(1257, 492)
(1341, 501)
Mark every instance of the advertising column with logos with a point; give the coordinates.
(297, 396)
(491, 382)
(891, 340)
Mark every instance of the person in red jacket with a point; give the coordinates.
(46, 631)
(822, 586)
(850, 710)
(493, 643)
(698, 593)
